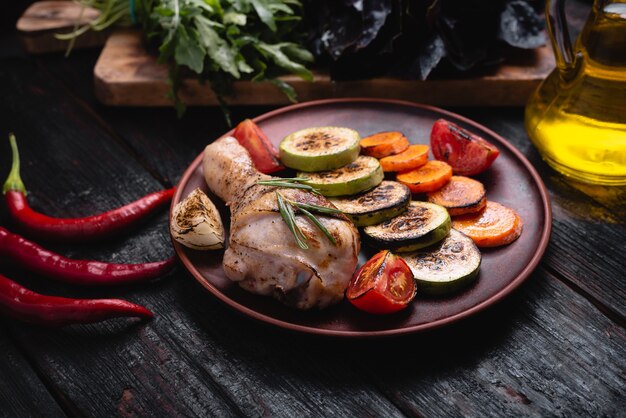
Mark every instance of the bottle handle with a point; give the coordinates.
(559, 35)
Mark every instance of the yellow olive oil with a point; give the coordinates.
(578, 122)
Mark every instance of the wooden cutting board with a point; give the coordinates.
(42, 20)
(127, 75)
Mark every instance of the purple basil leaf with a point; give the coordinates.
(520, 26)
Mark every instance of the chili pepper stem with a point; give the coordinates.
(14, 181)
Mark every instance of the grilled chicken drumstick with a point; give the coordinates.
(263, 256)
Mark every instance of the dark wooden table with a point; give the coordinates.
(555, 347)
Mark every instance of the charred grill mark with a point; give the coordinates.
(459, 132)
(318, 140)
(376, 196)
(351, 168)
(414, 217)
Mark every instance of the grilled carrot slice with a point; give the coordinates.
(413, 157)
(383, 144)
(430, 177)
(494, 226)
(461, 195)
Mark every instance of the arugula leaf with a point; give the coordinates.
(275, 53)
(217, 48)
(286, 89)
(266, 15)
(188, 51)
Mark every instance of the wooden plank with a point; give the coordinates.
(195, 357)
(127, 75)
(22, 393)
(546, 354)
(39, 24)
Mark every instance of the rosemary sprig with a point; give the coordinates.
(290, 219)
(318, 224)
(291, 183)
(287, 185)
(314, 208)
(286, 206)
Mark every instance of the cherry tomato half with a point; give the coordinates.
(468, 154)
(383, 285)
(261, 150)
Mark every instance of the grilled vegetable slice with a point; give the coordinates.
(421, 225)
(383, 144)
(461, 195)
(496, 225)
(446, 267)
(320, 149)
(411, 158)
(383, 285)
(358, 176)
(387, 200)
(427, 178)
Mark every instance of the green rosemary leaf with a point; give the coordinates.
(293, 179)
(290, 219)
(315, 208)
(317, 223)
(277, 183)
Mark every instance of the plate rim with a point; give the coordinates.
(494, 299)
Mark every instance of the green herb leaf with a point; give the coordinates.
(262, 8)
(286, 89)
(278, 57)
(188, 52)
(290, 219)
(315, 208)
(217, 48)
(317, 223)
(286, 184)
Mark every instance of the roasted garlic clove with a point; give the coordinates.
(196, 223)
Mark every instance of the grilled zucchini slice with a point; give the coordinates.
(320, 149)
(446, 267)
(360, 175)
(383, 202)
(421, 225)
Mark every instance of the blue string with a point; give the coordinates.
(133, 17)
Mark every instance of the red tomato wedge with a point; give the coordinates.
(467, 153)
(383, 285)
(261, 150)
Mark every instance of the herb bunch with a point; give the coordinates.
(412, 38)
(287, 209)
(218, 41)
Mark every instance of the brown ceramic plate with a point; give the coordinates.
(511, 181)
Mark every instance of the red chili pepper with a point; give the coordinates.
(23, 304)
(66, 230)
(32, 257)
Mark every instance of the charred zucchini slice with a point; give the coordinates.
(320, 149)
(358, 176)
(421, 225)
(446, 267)
(385, 201)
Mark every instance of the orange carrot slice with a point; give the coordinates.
(413, 157)
(383, 144)
(430, 177)
(461, 195)
(494, 226)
